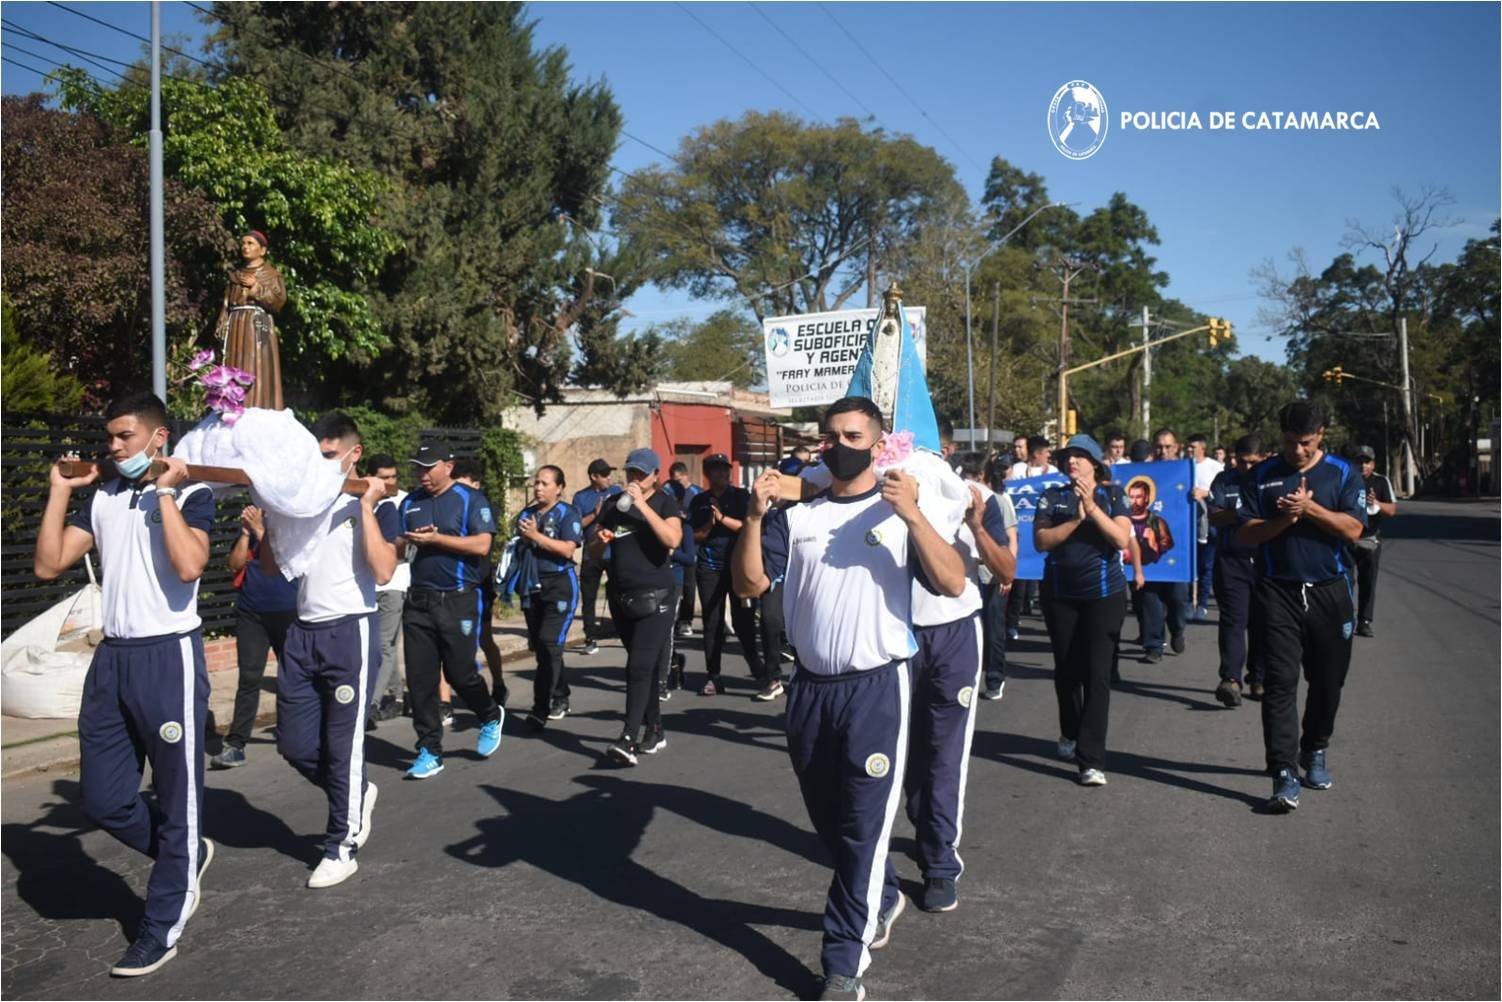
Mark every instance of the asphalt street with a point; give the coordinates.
(546, 873)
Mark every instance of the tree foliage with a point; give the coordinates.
(31, 381)
(782, 215)
(497, 166)
(76, 233)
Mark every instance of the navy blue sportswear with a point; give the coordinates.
(458, 511)
(1086, 565)
(714, 549)
(560, 522)
(1225, 494)
(262, 592)
(1303, 552)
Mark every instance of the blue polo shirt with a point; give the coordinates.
(458, 511)
(262, 592)
(560, 522)
(1303, 552)
(1086, 565)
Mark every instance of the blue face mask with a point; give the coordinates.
(132, 467)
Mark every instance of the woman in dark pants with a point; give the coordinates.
(548, 532)
(642, 527)
(1082, 528)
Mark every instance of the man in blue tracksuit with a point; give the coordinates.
(147, 691)
(1235, 578)
(334, 653)
(451, 527)
(846, 559)
(1299, 509)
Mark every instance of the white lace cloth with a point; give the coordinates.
(290, 480)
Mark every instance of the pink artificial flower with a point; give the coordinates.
(201, 359)
(895, 448)
(241, 376)
(231, 413)
(232, 392)
(216, 377)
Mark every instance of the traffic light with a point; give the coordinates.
(1072, 424)
(1336, 375)
(1220, 330)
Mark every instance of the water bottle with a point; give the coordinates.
(623, 503)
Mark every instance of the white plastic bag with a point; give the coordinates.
(38, 680)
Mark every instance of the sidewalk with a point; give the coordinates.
(30, 746)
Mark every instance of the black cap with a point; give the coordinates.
(433, 453)
(1365, 452)
(717, 459)
(600, 468)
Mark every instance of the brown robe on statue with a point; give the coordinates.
(248, 333)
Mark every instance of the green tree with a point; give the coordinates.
(725, 346)
(75, 229)
(31, 380)
(781, 215)
(498, 165)
(317, 214)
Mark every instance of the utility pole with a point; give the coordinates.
(158, 254)
(991, 403)
(1408, 465)
(1147, 378)
(1067, 271)
(871, 269)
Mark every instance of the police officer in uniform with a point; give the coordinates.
(1299, 510)
(146, 695)
(1381, 504)
(591, 503)
(451, 527)
(548, 532)
(1235, 577)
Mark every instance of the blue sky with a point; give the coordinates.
(983, 76)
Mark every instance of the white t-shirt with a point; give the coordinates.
(142, 594)
(847, 581)
(401, 580)
(339, 581)
(1021, 471)
(1205, 472)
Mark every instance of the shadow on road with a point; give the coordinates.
(1456, 524)
(589, 840)
(1152, 690)
(1023, 752)
(57, 878)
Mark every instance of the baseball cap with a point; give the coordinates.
(600, 468)
(643, 461)
(1365, 452)
(718, 459)
(433, 453)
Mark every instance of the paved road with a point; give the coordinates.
(546, 873)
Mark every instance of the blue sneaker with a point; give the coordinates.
(490, 736)
(145, 955)
(1316, 776)
(426, 766)
(1285, 798)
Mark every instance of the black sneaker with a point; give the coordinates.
(559, 710)
(939, 895)
(1152, 657)
(1255, 691)
(623, 751)
(1229, 692)
(994, 691)
(684, 630)
(1177, 643)
(446, 714)
(590, 647)
(145, 955)
(664, 691)
(1364, 629)
(840, 986)
(652, 742)
(769, 692)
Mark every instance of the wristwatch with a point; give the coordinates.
(167, 492)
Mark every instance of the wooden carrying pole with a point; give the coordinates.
(205, 474)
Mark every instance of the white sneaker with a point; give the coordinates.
(1066, 749)
(1092, 777)
(208, 857)
(333, 871)
(365, 813)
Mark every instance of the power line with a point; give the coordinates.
(33, 69)
(654, 149)
(747, 60)
(123, 31)
(338, 67)
(817, 65)
(893, 80)
(50, 59)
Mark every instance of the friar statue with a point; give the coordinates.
(254, 293)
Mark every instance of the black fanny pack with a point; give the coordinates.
(639, 603)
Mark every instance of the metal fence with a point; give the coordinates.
(28, 445)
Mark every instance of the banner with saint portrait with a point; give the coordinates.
(1164, 518)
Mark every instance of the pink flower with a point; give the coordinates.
(241, 376)
(895, 448)
(233, 392)
(231, 413)
(216, 377)
(201, 359)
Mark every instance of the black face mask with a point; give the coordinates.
(846, 463)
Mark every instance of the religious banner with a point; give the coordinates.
(1164, 518)
(811, 356)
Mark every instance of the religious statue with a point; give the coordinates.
(255, 292)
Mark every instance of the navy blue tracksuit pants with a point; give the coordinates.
(946, 671)
(1235, 581)
(145, 699)
(994, 630)
(1157, 601)
(322, 694)
(847, 736)
(1309, 627)
(550, 613)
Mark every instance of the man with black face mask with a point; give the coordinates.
(846, 561)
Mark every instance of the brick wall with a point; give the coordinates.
(219, 655)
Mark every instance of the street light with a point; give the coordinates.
(969, 336)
